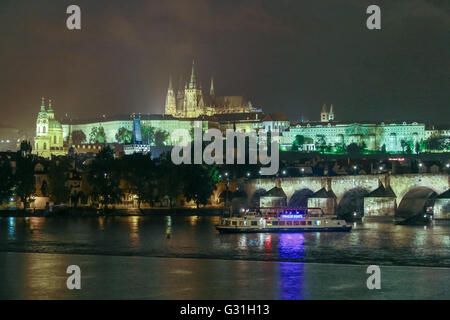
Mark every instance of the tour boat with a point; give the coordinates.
(282, 220)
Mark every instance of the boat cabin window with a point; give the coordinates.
(317, 222)
(234, 223)
(296, 223)
(282, 223)
(309, 223)
(227, 222)
(303, 223)
(274, 223)
(254, 223)
(289, 223)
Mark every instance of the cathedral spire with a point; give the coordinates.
(50, 105)
(43, 104)
(193, 81)
(170, 83)
(211, 90)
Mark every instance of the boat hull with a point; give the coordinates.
(224, 229)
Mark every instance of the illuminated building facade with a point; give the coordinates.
(392, 136)
(110, 127)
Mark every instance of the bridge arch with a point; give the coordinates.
(300, 198)
(415, 201)
(352, 201)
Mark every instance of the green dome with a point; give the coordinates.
(54, 124)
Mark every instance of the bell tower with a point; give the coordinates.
(324, 113)
(171, 106)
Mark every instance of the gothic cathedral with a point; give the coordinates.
(190, 102)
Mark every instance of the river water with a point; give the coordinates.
(414, 255)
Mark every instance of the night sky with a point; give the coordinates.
(286, 56)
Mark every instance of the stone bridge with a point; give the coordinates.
(404, 186)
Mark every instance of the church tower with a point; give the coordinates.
(331, 114)
(171, 106)
(49, 134)
(324, 113)
(193, 98)
(211, 90)
(42, 140)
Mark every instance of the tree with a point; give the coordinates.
(6, 180)
(104, 178)
(160, 138)
(24, 181)
(408, 147)
(58, 181)
(199, 182)
(139, 176)
(353, 149)
(403, 144)
(148, 134)
(124, 135)
(383, 148)
(417, 147)
(78, 137)
(93, 135)
(297, 144)
(25, 148)
(363, 147)
(321, 143)
(437, 143)
(168, 177)
(97, 135)
(340, 147)
(75, 197)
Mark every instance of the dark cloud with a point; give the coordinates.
(287, 56)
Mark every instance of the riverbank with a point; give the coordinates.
(110, 212)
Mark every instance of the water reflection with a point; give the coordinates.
(168, 227)
(11, 228)
(101, 223)
(383, 243)
(134, 230)
(291, 281)
(193, 220)
(291, 246)
(242, 243)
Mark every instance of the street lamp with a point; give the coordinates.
(248, 174)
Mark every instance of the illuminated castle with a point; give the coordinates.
(191, 102)
(49, 133)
